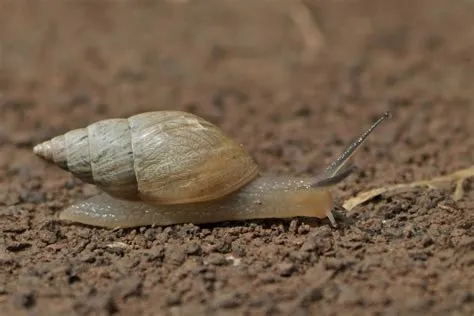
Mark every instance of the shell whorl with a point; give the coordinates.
(99, 154)
(162, 157)
(53, 150)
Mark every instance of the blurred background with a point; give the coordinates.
(329, 65)
(294, 81)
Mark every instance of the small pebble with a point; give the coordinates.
(24, 300)
(216, 259)
(285, 269)
(193, 249)
(228, 300)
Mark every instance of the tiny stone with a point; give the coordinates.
(87, 257)
(408, 231)
(426, 241)
(299, 255)
(217, 259)
(238, 249)
(119, 251)
(209, 276)
(313, 294)
(110, 306)
(84, 233)
(285, 269)
(32, 197)
(223, 247)
(155, 253)
(193, 249)
(228, 300)
(150, 234)
(309, 245)
(24, 300)
(173, 299)
(304, 229)
(336, 264)
(205, 232)
(176, 255)
(48, 236)
(267, 278)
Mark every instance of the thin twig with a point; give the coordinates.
(458, 176)
(308, 27)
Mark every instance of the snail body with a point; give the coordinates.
(265, 197)
(171, 167)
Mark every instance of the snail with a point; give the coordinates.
(171, 167)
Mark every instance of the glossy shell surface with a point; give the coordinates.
(162, 157)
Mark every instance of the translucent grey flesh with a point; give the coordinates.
(266, 197)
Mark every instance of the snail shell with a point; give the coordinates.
(173, 167)
(162, 157)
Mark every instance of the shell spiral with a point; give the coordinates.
(162, 157)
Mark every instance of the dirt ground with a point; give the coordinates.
(294, 96)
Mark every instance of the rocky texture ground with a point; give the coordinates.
(294, 100)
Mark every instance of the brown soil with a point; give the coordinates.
(245, 66)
